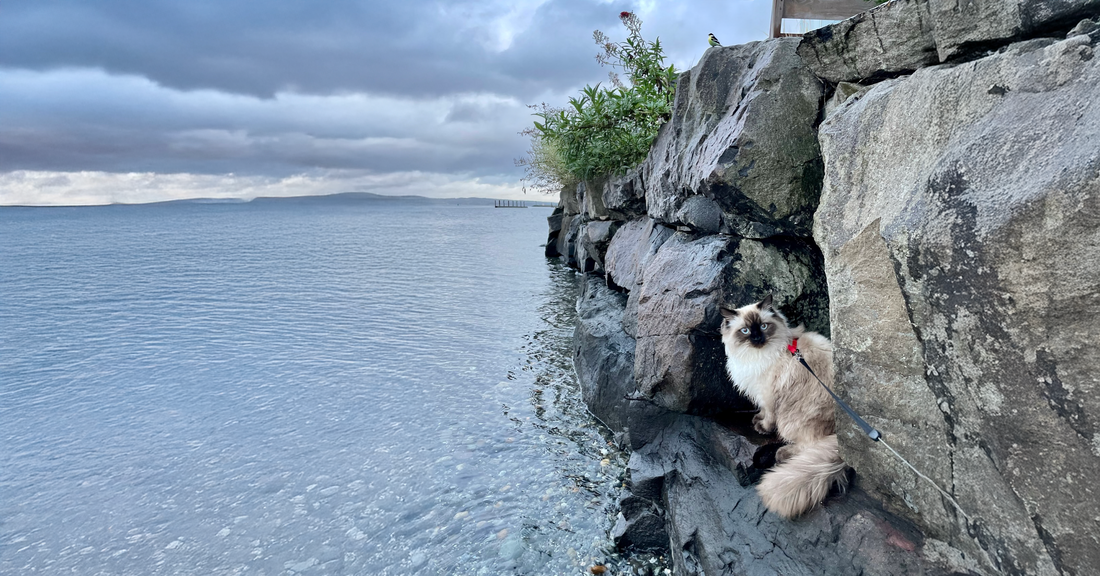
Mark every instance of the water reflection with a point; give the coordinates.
(258, 390)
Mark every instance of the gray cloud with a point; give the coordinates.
(411, 47)
(122, 123)
(272, 90)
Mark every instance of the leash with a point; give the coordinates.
(871, 431)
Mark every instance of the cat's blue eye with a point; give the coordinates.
(763, 326)
(744, 330)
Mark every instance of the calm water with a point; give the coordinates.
(271, 389)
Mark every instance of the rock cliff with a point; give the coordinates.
(922, 182)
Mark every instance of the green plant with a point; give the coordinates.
(604, 131)
(544, 167)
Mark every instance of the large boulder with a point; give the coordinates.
(565, 225)
(591, 193)
(891, 39)
(624, 196)
(593, 239)
(960, 224)
(571, 198)
(631, 248)
(554, 223)
(603, 355)
(740, 154)
(961, 28)
(904, 35)
(566, 244)
(679, 359)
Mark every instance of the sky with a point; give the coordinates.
(150, 100)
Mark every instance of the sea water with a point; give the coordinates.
(293, 388)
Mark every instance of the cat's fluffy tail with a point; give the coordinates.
(799, 483)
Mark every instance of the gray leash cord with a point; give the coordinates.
(874, 434)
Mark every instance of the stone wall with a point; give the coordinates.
(963, 272)
(927, 192)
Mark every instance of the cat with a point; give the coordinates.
(792, 403)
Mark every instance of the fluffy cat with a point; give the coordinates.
(792, 403)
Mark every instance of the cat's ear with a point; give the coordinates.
(727, 312)
(766, 302)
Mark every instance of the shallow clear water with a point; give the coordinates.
(382, 388)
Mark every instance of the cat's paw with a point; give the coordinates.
(784, 453)
(761, 424)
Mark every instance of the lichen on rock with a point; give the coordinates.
(964, 271)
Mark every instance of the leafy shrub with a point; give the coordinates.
(605, 131)
(544, 167)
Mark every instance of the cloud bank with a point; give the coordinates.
(127, 101)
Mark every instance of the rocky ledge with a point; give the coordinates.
(922, 182)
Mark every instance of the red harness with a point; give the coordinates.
(793, 347)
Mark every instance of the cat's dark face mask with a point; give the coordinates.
(755, 330)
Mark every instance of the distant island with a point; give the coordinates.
(360, 197)
(342, 198)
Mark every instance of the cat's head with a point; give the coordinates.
(755, 326)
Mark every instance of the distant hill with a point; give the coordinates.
(363, 197)
(190, 201)
(344, 198)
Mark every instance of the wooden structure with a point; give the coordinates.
(813, 10)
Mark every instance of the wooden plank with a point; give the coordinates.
(777, 18)
(823, 9)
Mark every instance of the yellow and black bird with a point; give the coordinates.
(713, 41)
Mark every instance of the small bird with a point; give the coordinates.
(713, 41)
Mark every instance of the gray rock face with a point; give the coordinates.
(643, 530)
(904, 35)
(631, 248)
(964, 273)
(841, 94)
(570, 199)
(554, 224)
(717, 525)
(739, 155)
(603, 355)
(565, 226)
(624, 197)
(960, 27)
(588, 216)
(641, 523)
(568, 236)
(615, 198)
(890, 39)
(593, 238)
(591, 197)
(679, 360)
(960, 226)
